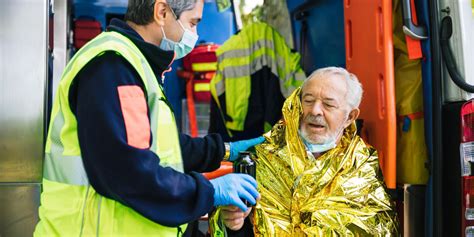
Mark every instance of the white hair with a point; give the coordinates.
(354, 88)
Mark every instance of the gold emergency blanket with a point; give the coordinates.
(341, 193)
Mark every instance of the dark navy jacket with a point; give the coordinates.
(131, 175)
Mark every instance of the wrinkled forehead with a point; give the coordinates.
(331, 86)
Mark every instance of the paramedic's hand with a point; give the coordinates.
(238, 146)
(233, 217)
(230, 188)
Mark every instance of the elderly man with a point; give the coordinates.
(316, 176)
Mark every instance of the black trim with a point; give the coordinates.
(452, 194)
(303, 35)
(437, 175)
(446, 31)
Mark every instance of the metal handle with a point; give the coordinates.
(446, 31)
(410, 29)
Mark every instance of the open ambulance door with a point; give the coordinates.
(453, 117)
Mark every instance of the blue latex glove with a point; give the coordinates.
(238, 146)
(230, 188)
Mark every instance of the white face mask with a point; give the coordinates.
(184, 46)
(321, 147)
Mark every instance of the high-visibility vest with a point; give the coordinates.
(69, 204)
(256, 46)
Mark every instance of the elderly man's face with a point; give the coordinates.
(325, 109)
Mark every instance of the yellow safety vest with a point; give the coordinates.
(69, 204)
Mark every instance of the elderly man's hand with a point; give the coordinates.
(234, 217)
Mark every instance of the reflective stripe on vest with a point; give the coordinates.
(80, 210)
(256, 46)
(204, 67)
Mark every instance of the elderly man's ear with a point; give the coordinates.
(353, 115)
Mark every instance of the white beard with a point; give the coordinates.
(318, 139)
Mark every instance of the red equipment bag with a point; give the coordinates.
(199, 68)
(85, 30)
(202, 61)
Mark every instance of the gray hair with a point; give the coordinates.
(140, 12)
(354, 88)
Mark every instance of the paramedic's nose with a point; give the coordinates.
(194, 30)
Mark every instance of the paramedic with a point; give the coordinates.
(115, 164)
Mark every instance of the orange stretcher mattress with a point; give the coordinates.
(369, 55)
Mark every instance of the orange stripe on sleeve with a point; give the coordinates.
(135, 116)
